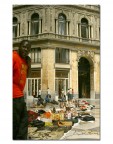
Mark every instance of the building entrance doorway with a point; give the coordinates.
(61, 84)
(84, 78)
(33, 86)
(61, 81)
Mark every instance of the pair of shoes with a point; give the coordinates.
(37, 123)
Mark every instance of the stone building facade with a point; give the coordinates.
(65, 47)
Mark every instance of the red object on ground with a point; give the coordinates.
(32, 115)
(47, 114)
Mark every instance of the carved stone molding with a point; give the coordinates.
(31, 12)
(57, 12)
(87, 54)
(17, 16)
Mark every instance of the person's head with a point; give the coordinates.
(24, 48)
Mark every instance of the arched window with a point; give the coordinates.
(84, 28)
(62, 24)
(34, 24)
(15, 27)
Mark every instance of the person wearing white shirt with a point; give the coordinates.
(48, 91)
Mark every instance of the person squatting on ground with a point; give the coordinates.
(48, 99)
(40, 100)
(21, 70)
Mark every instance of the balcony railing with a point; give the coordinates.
(54, 36)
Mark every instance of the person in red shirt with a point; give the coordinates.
(21, 70)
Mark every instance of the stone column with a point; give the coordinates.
(97, 76)
(89, 31)
(56, 26)
(70, 73)
(39, 26)
(17, 29)
(29, 28)
(48, 71)
(67, 33)
(74, 71)
(51, 71)
(44, 72)
(92, 82)
(77, 30)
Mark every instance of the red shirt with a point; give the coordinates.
(19, 75)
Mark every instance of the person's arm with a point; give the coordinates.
(28, 60)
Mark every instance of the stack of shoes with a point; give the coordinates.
(37, 123)
(87, 118)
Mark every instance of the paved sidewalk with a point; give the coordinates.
(85, 130)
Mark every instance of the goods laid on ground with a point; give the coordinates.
(87, 118)
(57, 116)
(37, 123)
(65, 123)
(32, 115)
(52, 123)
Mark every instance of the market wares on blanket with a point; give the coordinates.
(47, 115)
(45, 119)
(57, 116)
(85, 102)
(91, 107)
(87, 118)
(32, 115)
(49, 124)
(83, 113)
(41, 111)
(83, 107)
(75, 119)
(65, 123)
(37, 123)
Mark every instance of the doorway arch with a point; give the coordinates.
(84, 80)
